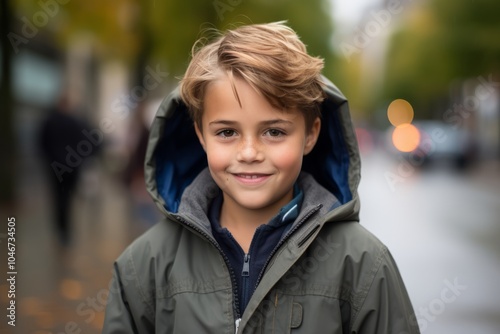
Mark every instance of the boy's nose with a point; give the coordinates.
(249, 151)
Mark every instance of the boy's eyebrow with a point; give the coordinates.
(267, 122)
(277, 121)
(222, 122)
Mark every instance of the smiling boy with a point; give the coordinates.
(254, 154)
(254, 163)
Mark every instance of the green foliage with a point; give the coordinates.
(442, 41)
(175, 38)
(139, 31)
(470, 31)
(174, 26)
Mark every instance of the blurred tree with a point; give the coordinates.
(440, 42)
(163, 31)
(417, 67)
(470, 34)
(349, 75)
(311, 20)
(7, 144)
(175, 25)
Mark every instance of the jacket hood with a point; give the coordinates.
(175, 157)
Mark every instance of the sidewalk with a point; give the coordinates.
(63, 290)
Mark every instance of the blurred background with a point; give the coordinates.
(80, 83)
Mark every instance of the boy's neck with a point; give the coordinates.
(242, 222)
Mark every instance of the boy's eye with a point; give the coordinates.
(226, 133)
(274, 133)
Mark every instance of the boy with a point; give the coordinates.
(266, 239)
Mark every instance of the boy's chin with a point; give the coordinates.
(258, 201)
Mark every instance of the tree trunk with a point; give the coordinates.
(7, 144)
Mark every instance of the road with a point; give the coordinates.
(441, 227)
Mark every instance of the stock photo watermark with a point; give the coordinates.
(449, 294)
(30, 27)
(297, 274)
(379, 21)
(485, 88)
(223, 6)
(455, 116)
(408, 165)
(11, 272)
(92, 305)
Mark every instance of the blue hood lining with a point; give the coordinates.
(329, 161)
(179, 157)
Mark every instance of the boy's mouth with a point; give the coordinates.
(251, 178)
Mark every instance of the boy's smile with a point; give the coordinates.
(254, 150)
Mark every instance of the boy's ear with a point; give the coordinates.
(199, 134)
(312, 136)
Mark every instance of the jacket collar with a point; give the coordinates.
(198, 197)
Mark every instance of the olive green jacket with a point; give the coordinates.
(327, 275)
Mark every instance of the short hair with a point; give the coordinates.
(269, 57)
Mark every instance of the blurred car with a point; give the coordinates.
(443, 142)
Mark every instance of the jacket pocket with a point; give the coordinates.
(300, 314)
(192, 306)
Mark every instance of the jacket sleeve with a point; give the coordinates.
(127, 311)
(386, 307)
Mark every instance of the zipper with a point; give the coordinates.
(237, 325)
(246, 266)
(245, 276)
(226, 260)
(282, 241)
(246, 260)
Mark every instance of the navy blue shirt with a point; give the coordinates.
(248, 267)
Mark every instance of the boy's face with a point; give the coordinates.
(254, 151)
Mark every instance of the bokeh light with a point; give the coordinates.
(71, 289)
(45, 319)
(406, 137)
(400, 112)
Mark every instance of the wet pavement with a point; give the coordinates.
(64, 289)
(442, 228)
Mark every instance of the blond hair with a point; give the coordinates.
(269, 57)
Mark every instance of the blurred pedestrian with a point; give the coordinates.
(137, 143)
(133, 177)
(64, 147)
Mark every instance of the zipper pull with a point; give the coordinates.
(237, 325)
(246, 265)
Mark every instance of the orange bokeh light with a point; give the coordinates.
(400, 112)
(406, 137)
(71, 289)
